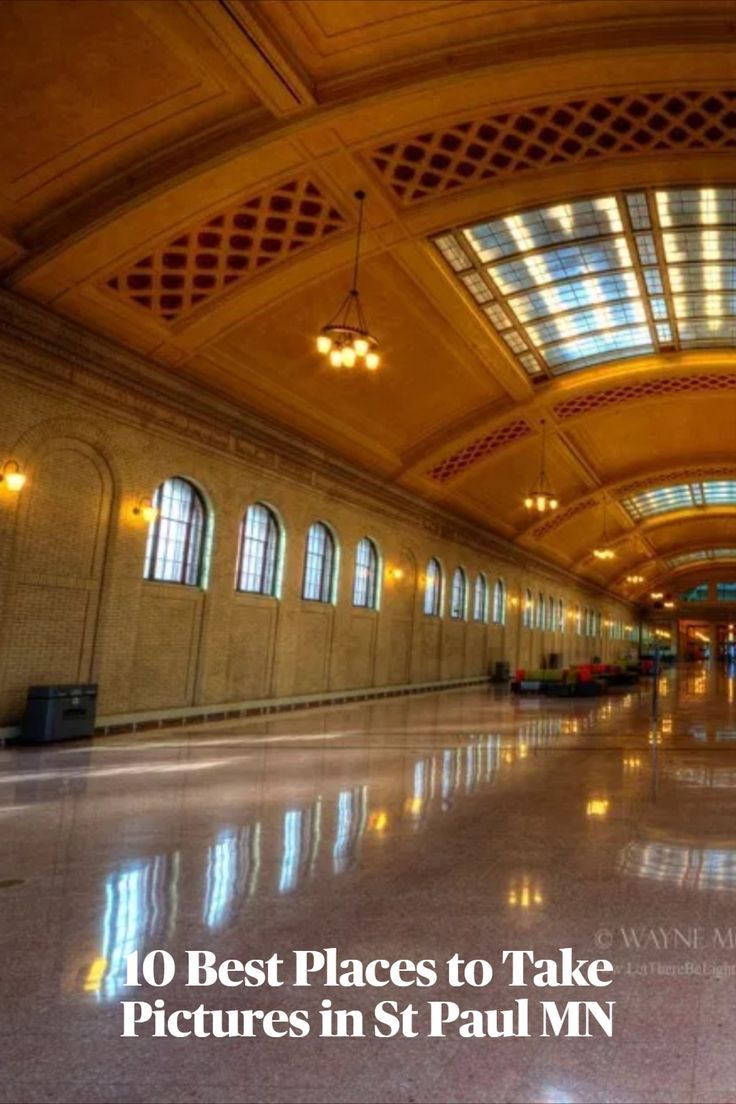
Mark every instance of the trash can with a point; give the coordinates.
(501, 671)
(59, 713)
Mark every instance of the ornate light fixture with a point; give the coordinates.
(604, 550)
(633, 579)
(12, 476)
(542, 498)
(146, 510)
(346, 339)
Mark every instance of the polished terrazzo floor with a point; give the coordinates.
(462, 822)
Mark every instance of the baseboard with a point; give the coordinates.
(226, 711)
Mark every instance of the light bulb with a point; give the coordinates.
(553, 504)
(348, 356)
(324, 343)
(336, 358)
(528, 502)
(150, 513)
(541, 503)
(361, 346)
(15, 480)
(372, 361)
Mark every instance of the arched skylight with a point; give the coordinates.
(680, 496)
(605, 278)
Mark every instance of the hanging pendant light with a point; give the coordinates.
(604, 550)
(346, 340)
(542, 498)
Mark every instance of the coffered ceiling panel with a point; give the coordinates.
(424, 382)
(88, 87)
(654, 436)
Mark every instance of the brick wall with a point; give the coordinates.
(74, 605)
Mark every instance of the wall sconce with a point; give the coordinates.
(145, 510)
(669, 605)
(657, 595)
(597, 807)
(11, 475)
(395, 573)
(514, 601)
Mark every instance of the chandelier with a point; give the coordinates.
(634, 579)
(346, 339)
(542, 498)
(604, 550)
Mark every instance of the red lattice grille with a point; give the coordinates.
(467, 153)
(231, 247)
(647, 389)
(477, 450)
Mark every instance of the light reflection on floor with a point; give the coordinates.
(462, 821)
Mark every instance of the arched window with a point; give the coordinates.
(551, 613)
(560, 615)
(540, 610)
(578, 620)
(480, 601)
(499, 602)
(528, 615)
(458, 596)
(433, 589)
(319, 564)
(258, 561)
(176, 536)
(365, 581)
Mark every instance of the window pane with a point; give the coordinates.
(366, 574)
(175, 543)
(258, 551)
(528, 610)
(457, 601)
(481, 599)
(433, 589)
(499, 603)
(318, 564)
(698, 593)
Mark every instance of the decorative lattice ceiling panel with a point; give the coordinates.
(477, 450)
(466, 153)
(647, 389)
(231, 247)
(598, 280)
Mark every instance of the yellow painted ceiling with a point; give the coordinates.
(143, 138)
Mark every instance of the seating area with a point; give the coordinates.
(578, 680)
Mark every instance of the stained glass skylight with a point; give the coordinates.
(598, 280)
(684, 558)
(681, 496)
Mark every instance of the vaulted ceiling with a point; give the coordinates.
(179, 175)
